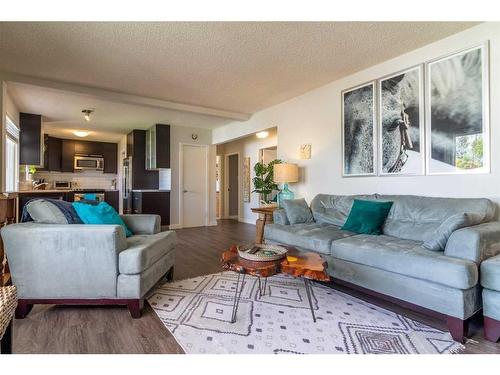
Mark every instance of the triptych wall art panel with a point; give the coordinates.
(402, 124)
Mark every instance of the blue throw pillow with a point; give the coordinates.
(367, 217)
(103, 213)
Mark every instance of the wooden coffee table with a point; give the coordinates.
(307, 265)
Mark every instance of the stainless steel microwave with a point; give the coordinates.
(89, 163)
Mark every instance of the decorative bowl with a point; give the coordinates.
(265, 253)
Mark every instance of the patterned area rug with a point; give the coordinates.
(198, 313)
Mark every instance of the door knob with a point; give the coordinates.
(185, 191)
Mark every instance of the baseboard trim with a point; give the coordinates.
(175, 226)
(246, 220)
(212, 224)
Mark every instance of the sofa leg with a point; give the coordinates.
(170, 274)
(491, 329)
(23, 309)
(458, 328)
(135, 307)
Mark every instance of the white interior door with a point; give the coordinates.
(194, 185)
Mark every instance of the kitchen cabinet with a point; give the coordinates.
(67, 155)
(158, 147)
(110, 154)
(30, 140)
(152, 202)
(136, 148)
(111, 197)
(53, 154)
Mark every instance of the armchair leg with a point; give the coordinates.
(170, 274)
(23, 309)
(135, 307)
(458, 328)
(491, 329)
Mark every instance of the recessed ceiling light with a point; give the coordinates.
(262, 135)
(86, 114)
(80, 133)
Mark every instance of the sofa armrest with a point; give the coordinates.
(143, 224)
(475, 243)
(279, 217)
(64, 261)
(490, 273)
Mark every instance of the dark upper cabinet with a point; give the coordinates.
(158, 147)
(30, 139)
(68, 155)
(136, 146)
(53, 154)
(110, 154)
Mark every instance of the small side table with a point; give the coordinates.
(307, 266)
(8, 304)
(265, 217)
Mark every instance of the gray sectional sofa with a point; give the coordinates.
(395, 264)
(88, 264)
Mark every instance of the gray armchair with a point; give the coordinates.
(88, 264)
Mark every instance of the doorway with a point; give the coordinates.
(193, 185)
(232, 178)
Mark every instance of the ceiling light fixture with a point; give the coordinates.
(262, 134)
(87, 113)
(80, 133)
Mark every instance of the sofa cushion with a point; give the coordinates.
(367, 217)
(50, 211)
(103, 213)
(334, 209)
(310, 236)
(437, 241)
(418, 218)
(297, 211)
(145, 250)
(490, 273)
(406, 257)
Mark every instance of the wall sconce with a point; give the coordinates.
(262, 134)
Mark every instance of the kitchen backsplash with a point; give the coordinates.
(82, 180)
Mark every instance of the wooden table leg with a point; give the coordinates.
(259, 230)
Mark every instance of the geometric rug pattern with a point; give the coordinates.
(197, 312)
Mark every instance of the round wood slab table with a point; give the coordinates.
(307, 265)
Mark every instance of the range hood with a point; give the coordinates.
(158, 147)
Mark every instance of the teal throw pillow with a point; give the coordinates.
(102, 213)
(367, 217)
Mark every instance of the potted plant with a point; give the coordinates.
(263, 181)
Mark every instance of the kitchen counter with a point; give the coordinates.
(150, 191)
(42, 191)
(56, 191)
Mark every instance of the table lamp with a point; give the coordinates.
(285, 173)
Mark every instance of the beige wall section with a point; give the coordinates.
(247, 147)
(7, 108)
(315, 118)
(181, 134)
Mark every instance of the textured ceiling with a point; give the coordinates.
(237, 66)
(62, 113)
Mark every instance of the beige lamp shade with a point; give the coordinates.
(286, 173)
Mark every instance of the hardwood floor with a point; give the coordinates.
(68, 329)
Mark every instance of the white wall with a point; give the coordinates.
(247, 147)
(315, 118)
